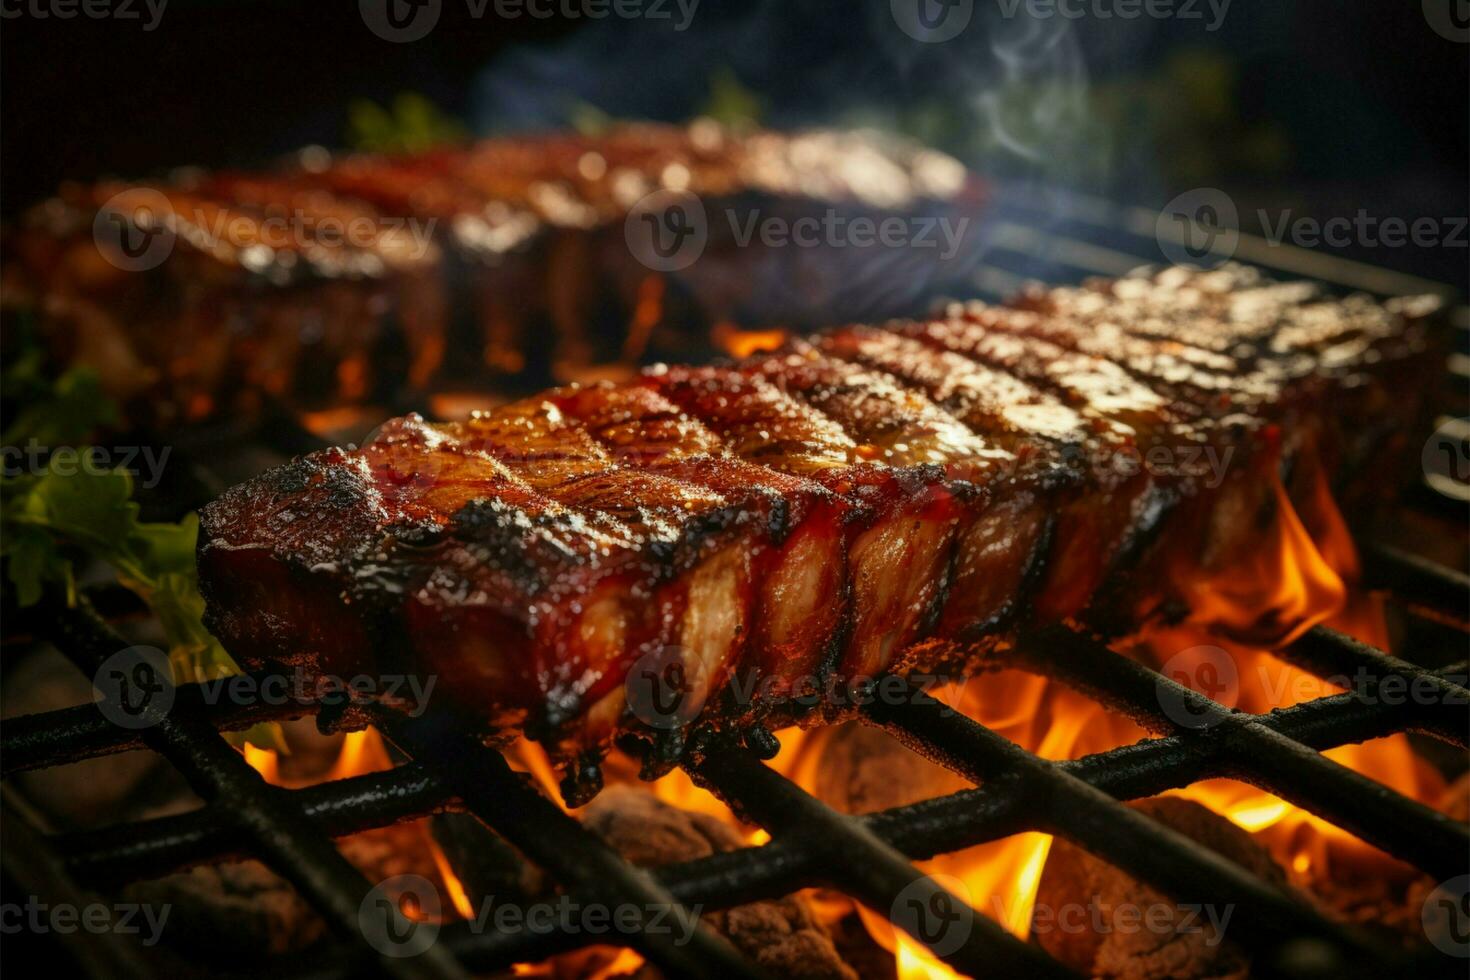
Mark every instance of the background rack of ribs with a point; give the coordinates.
(372, 277)
(861, 502)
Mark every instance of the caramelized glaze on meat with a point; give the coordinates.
(864, 501)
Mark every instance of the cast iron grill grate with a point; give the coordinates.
(868, 858)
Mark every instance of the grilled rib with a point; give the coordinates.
(344, 280)
(862, 502)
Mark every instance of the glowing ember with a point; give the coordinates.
(1290, 580)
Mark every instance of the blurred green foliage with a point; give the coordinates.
(410, 124)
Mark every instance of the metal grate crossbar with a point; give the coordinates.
(868, 858)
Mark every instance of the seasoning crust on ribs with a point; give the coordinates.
(362, 277)
(863, 501)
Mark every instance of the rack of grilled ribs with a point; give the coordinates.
(338, 280)
(868, 500)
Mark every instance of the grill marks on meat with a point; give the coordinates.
(864, 501)
(359, 278)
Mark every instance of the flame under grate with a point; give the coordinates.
(868, 858)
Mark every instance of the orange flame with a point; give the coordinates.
(1280, 588)
(458, 896)
(264, 761)
(647, 313)
(1300, 571)
(1315, 584)
(742, 343)
(361, 752)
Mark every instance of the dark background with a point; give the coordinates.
(1321, 106)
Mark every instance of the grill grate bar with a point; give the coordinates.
(946, 824)
(279, 832)
(1146, 849)
(508, 803)
(1440, 593)
(861, 864)
(153, 848)
(1441, 703)
(54, 738)
(157, 847)
(1258, 754)
(922, 830)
